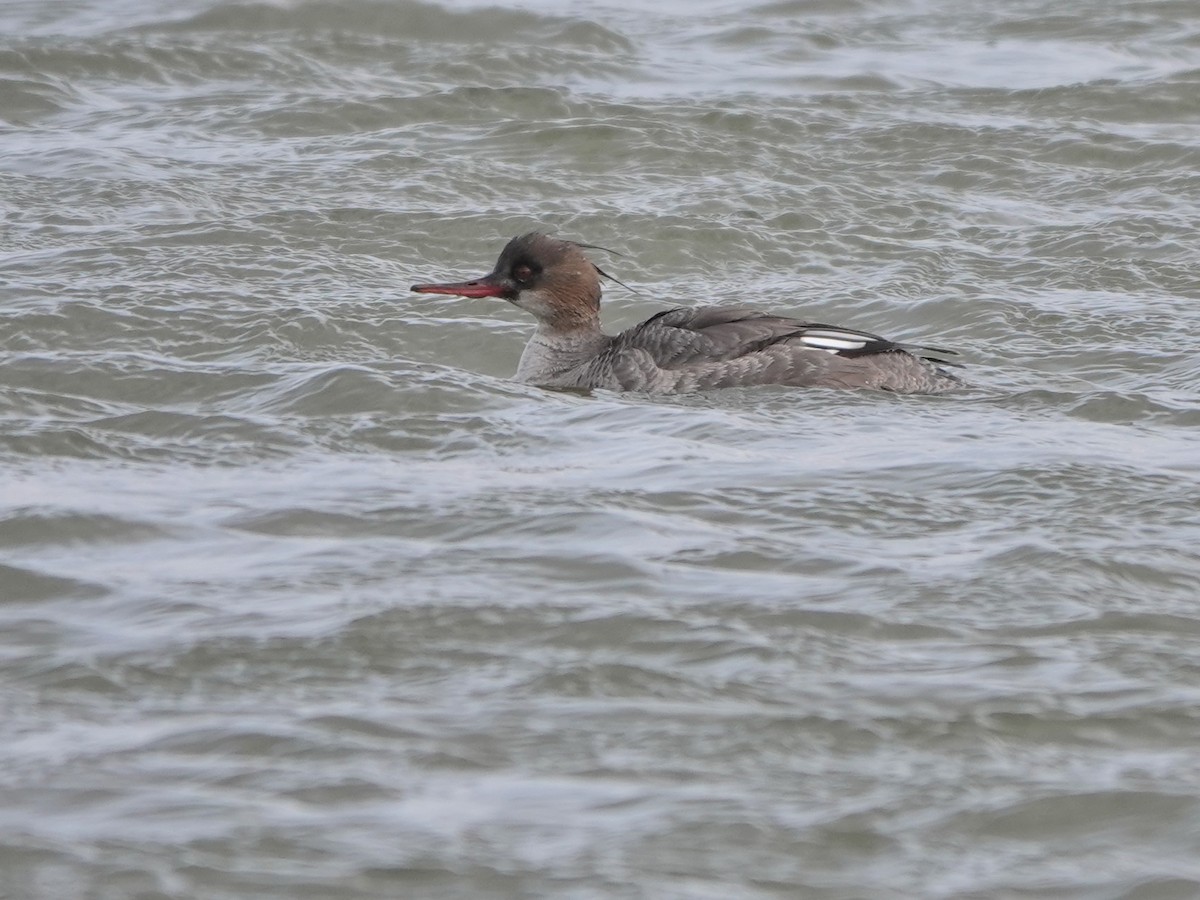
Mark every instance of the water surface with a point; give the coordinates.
(302, 596)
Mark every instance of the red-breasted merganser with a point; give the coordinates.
(680, 350)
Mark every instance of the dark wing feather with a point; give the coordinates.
(678, 337)
(711, 347)
(851, 343)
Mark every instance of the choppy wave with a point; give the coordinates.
(300, 594)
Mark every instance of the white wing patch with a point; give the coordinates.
(832, 341)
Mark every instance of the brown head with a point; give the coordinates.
(550, 278)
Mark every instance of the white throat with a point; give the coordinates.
(553, 357)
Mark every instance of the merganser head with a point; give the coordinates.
(550, 278)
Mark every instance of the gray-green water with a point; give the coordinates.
(302, 596)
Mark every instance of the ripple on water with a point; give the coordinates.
(300, 589)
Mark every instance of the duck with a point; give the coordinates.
(683, 349)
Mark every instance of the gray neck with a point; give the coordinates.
(557, 359)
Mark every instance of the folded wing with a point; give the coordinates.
(681, 337)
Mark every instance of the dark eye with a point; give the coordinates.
(522, 272)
